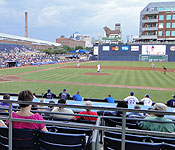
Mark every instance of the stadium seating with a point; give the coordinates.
(61, 140)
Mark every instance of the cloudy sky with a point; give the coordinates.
(49, 19)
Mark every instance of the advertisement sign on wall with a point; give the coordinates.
(95, 50)
(134, 48)
(125, 48)
(172, 48)
(115, 48)
(105, 48)
(153, 49)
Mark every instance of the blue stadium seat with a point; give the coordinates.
(62, 138)
(115, 144)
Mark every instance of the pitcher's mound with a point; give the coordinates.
(97, 74)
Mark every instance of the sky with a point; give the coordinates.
(49, 19)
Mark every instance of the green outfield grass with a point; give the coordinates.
(117, 77)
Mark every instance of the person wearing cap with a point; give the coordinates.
(87, 112)
(171, 102)
(109, 99)
(64, 95)
(62, 110)
(132, 100)
(77, 97)
(146, 100)
(156, 126)
(49, 95)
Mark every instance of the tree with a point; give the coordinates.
(78, 47)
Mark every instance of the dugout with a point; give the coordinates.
(11, 64)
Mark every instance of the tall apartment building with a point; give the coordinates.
(70, 42)
(157, 22)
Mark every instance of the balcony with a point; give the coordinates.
(150, 12)
(148, 37)
(150, 29)
(150, 21)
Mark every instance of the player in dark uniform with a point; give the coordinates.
(171, 102)
(165, 69)
(64, 95)
(49, 95)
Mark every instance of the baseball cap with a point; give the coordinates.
(160, 106)
(48, 90)
(173, 96)
(132, 93)
(88, 103)
(146, 95)
(64, 90)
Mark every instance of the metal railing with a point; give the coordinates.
(96, 127)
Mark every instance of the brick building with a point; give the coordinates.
(157, 22)
(70, 42)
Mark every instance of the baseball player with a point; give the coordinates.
(146, 100)
(132, 100)
(98, 67)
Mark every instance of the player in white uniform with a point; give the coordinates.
(146, 100)
(152, 65)
(98, 67)
(132, 100)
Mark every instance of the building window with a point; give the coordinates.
(168, 17)
(149, 17)
(172, 33)
(161, 17)
(173, 17)
(149, 33)
(168, 25)
(160, 25)
(160, 33)
(173, 25)
(167, 33)
(161, 9)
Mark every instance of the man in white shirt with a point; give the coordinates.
(132, 100)
(62, 110)
(146, 100)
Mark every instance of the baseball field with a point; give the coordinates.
(115, 78)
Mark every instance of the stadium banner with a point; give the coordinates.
(105, 48)
(124, 48)
(95, 50)
(134, 48)
(153, 49)
(115, 48)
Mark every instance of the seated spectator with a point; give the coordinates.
(110, 99)
(171, 102)
(77, 97)
(25, 113)
(64, 95)
(149, 114)
(5, 105)
(155, 126)
(62, 110)
(135, 114)
(132, 100)
(146, 100)
(110, 121)
(49, 95)
(87, 112)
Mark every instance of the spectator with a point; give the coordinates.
(87, 112)
(171, 102)
(149, 114)
(49, 95)
(112, 122)
(136, 114)
(5, 105)
(146, 100)
(77, 97)
(62, 110)
(64, 95)
(132, 100)
(110, 99)
(25, 113)
(155, 126)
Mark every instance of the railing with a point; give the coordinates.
(96, 127)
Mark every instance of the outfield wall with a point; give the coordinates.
(132, 52)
